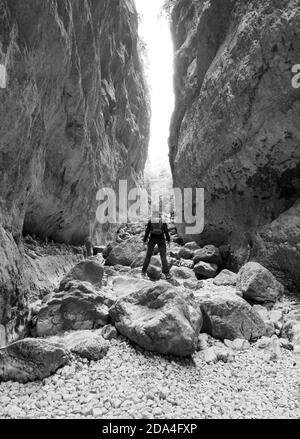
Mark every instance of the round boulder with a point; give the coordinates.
(161, 318)
(228, 316)
(182, 273)
(80, 307)
(258, 284)
(154, 273)
(205, 270)
(210, 254)
(86, 271)
(86, 344)
(126, 253)
(226, 278)
(31, 360)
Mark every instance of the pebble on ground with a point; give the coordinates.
(130, 383)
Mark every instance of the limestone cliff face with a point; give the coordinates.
(73, 118)
(236, 126)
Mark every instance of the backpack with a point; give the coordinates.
(157, 228)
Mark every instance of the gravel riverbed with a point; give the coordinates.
(132, 383)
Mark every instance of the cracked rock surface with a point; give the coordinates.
(235, 129)
(74, 118)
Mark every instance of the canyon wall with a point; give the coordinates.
(74, 117)
(235, 130)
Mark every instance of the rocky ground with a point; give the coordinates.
(132, 383)
(107, 343)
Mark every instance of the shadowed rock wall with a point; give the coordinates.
(73, 118)
(236, 126)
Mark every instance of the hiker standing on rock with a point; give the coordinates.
(159, 234)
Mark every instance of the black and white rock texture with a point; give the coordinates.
(236, 126)
(133, 383)
(31, 360)
(226, 315)
(79, 307)
(159, 318)
(74, 117)
(258, 285)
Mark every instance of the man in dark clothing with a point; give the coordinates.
(159, 234)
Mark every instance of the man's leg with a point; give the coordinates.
(163, 255)
(149, 254)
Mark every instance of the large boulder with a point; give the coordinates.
(258, 284)
(209, 253)
(185, 253)
(161, 318)
(31, 360)
(80, 307)
(86, 344)
(86, 271)
(228, 316)
(226, 278)
(154, 272)
(126, 253)
(182, 273)
(124, 285)
(205, 270)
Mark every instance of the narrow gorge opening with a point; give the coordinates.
(104, 314)
(158, 53)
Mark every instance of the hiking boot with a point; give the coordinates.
(168, 276)
(144, 274)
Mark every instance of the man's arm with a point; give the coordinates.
(166, 232)
(148, 230)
